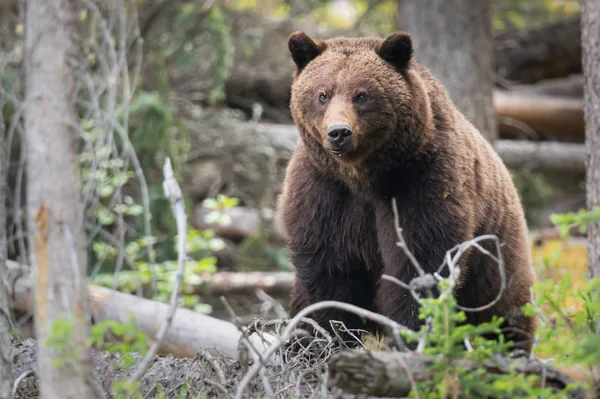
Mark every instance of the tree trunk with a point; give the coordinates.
(590, 35)
(5, 289)
(54, 208)
(453, 39)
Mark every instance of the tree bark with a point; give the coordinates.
(54, 208)
(590, 38)
(453, 38)
(5, 289)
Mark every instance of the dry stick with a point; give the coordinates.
(173, 192)
(19, 380)
(289, 332)
(499, 259)
(402, 242)
(204, 355)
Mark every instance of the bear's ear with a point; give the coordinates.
(303, 49)
(396, 49)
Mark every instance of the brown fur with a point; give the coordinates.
(409, 142)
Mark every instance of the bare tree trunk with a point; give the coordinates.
(5, 289)
(54, 207)
(590, 35)
(453, 39)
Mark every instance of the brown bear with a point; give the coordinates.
(375, 125)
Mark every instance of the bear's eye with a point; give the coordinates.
(323, 98)
(361, 98)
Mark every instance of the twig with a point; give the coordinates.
(501, 267)
(402, 242)
(204, 355)
(19, 380)
(289, 332)
(270, 302)
(173, 192)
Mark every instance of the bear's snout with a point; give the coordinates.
(339, 137)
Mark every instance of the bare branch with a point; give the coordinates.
(173, 192)
(402, 243)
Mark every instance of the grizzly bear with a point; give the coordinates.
(375, 125)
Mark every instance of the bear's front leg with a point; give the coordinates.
(428, 235)
(325, 276)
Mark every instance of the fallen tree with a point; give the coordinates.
(542, 116)
(564, 157)
(188, 333)
(277, 284)
(394, 374)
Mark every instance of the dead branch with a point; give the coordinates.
(383, 373)
(173, 192)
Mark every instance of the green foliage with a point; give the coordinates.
(581, 219)
(569, 331)
(129, 340)
(445, 340)
(60, 340)
(200, 245)
(218, 25)
(507, 14)
(458, 372)
(535, 190)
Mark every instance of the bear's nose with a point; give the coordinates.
(339, 135)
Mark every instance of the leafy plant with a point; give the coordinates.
(581, 219)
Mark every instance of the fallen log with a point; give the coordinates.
(276, 284)
(188, 333)
(569, 86)
(549, 117)
(564, 157)
(392, 374)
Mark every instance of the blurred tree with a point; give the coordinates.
(590, 35)
(453, 39)
(5, 289)
(54, 207)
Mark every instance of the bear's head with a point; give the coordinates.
(353, 97)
